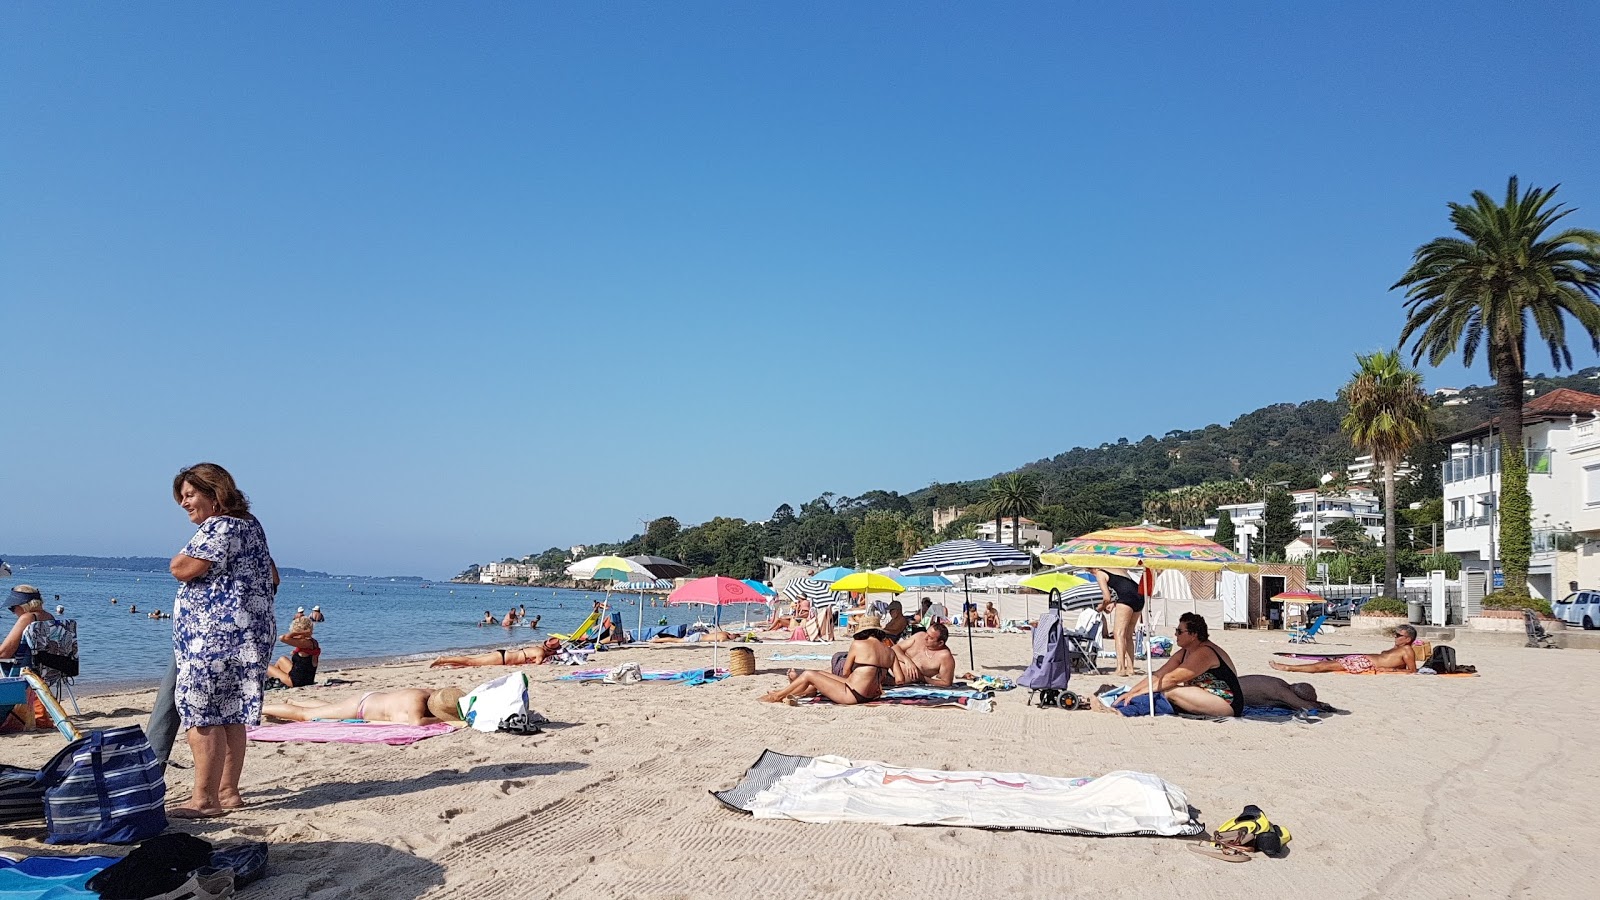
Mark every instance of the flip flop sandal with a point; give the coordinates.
(1224, 852)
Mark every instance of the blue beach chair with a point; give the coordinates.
(1298, 635)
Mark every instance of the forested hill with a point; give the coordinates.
(1082, 489)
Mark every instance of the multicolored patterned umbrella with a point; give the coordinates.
(1150, 546)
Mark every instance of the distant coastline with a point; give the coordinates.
(148, 564)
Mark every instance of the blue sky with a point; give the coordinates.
(449, 283)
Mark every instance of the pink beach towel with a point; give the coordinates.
(348, 732)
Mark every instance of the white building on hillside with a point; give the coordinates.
(507, 573)
(1314, 512)
(1031, 536)
(1366, 471)
(1561, 441)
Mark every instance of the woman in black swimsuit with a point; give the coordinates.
(299, 668)
(866, 671)
(1199, 678)
(1120, 596)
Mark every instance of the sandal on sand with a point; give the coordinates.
(1224, 852)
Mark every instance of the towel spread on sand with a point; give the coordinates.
(788, 657)
(969, 700)
(687, 676)
(834, 789)
(330, 732)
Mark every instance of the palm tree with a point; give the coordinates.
(1388, 415)
(1015, 495)
(1480, 290)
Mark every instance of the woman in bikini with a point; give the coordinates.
(1199, 678)
(517, 656)
(867, 671)
(406, 706)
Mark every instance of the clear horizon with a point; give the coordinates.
(442, 286)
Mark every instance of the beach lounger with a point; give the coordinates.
(1298, 635)
(1081, 644)
(581, 633)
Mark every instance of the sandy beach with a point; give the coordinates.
(1430, 787)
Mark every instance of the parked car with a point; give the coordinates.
(1581, 608)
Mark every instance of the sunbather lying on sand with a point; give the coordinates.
(406, 706)
(869, 660)
(702, 636)
(1270, 690)
(924, 658)
(519, 656)
(1399, 658)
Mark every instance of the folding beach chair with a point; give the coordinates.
(1301, 635)
(1537, 636)
(1081, 643)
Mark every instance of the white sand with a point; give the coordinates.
(1433, 787)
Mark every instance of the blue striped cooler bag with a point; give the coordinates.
(106, 788)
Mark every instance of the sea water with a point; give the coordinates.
(367, 619)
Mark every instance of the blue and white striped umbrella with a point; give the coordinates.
(809, 588)
(966, 555)
(660, 584)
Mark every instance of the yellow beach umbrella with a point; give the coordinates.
(1054, 581)
(868, 583)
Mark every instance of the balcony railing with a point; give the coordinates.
(1470, 521)
(1549, 540)
(1477, 465)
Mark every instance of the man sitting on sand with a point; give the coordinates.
(923, 658)
(897, 623)
(406, 706)
(866, 666)
(1399, 658)
(519, 656)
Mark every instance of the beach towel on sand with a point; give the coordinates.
(688, 676)
(970, 700)
(331, 732)
(834, 789)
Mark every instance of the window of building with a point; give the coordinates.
(1591, 485)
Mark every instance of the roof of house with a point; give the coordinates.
(1560, 403)
(1322, 543)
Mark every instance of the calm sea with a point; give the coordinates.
(366, 620)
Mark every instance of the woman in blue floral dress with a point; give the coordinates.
(222, 633)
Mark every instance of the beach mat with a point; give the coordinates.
(970, 700)
(687, 676)
(342, 732)
(834, 789)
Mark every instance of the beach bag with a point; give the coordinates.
(21, 797)
(1051, 665)
(1443, 660)
(105, 788)
(491, 703)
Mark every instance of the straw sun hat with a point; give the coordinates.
(445, 704)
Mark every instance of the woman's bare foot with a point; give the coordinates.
(771, 697)
(195, 812)
(1278, 665)
(229, 799)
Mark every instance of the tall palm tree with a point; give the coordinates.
(1480, 290)
(1015, 495)
(1388, 415)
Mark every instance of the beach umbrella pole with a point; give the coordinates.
(966, 593)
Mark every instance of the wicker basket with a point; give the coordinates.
(741, 661)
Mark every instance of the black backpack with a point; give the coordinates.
(1443, 660)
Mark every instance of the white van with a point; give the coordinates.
(1582, 609)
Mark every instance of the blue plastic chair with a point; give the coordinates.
(1299, 635)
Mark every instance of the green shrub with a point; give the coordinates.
(1504, 599)
(1383, 606)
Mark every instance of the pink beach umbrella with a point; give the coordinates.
(717, 591)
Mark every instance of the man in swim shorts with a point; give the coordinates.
(519, 656)
(406, 706)
(1399, 658)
